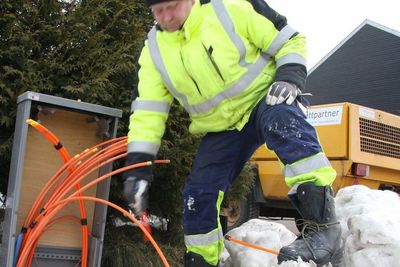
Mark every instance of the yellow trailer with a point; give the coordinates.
(362, 144)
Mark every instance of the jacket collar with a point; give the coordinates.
(193, 21)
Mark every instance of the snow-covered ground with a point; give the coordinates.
(370, 221)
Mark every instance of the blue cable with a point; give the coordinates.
(17, 247)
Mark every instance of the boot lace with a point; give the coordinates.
(311, 227)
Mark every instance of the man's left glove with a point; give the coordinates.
(280, 92)
(137, 182)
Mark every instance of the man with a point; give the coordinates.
(239, 74)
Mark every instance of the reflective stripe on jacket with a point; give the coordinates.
(218, 67)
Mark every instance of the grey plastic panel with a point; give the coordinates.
(44, 255)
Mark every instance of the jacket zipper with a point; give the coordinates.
(190, 76)
(209, 52)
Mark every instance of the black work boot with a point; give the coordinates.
(320, 239)
(195, 260)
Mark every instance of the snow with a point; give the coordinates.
(370, 221)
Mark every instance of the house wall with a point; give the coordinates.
(364, 70)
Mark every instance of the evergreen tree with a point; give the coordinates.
(88, 50)
(80, 50)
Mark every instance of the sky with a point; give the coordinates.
(327, 23)
(370, 221)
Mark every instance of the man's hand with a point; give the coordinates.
(136, 193)
(137, 182)
(280, 92)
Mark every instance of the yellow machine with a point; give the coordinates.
(362, 144)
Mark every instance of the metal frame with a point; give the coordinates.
(63, 256)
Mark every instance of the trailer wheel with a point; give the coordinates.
(239, 212)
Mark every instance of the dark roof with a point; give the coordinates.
(363, 69)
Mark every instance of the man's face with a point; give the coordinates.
(172, 14)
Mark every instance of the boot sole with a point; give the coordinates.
(335, 260)
(337, 257)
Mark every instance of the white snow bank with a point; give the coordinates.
(370, 221)
(259, 232)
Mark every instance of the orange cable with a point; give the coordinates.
(40, 198)
(84, 170)
(49, 202)
(42, 219)
(232, 239)
(60, 204)
(42, 216)
(64, 154)
(62, 151)
(93, 160)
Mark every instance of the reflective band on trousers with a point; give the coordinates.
(149, 105)
(311, 164)
(203, 239)
(253, 69)
(144, 147)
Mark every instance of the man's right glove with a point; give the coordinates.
(136, 193)
(280, 92)
(137, 182)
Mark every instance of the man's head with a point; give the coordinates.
(170, 14)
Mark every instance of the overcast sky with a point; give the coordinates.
(327, 23)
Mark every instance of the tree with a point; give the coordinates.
(81, 50)
(88, 50)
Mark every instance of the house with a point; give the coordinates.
(363, 69)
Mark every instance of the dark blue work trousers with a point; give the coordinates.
(221, 157)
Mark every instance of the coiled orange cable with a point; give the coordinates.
(73, 172)
(66, 157)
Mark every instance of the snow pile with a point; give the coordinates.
(259, 232)
(262, 233)
(370, 221)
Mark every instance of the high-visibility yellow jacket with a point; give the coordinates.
(219, 65)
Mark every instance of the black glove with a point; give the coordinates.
(137, 182)
(280, 92)
(136, 194)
